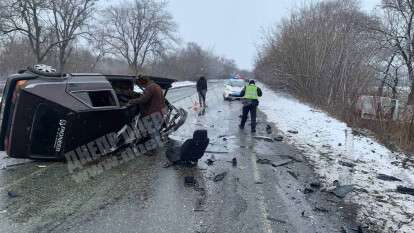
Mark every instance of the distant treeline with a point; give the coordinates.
(132, 36)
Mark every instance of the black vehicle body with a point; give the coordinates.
(45, 115)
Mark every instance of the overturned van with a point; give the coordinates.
(45, 114)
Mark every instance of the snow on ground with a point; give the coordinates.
(328, 142)
(183, 84)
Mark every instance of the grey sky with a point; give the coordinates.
(233, 27)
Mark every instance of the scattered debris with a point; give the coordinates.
(264, 161)
(216, 152)
(346, 164)
(219, 177)
(12, 194)
(210, 162)
(267, 139)
(346, 229)
(189, 181)
(387, 177)
(268, 129)
(293, 131)
(268, 162)
(275, 220)
(320, 209)
(234, 162)
(283, 163)
(326, 146)
(278, 138)
(342, 191)
(405, 190)
(307, 191)
(199, 205)
(315, 185)
(360, 132)
(294, 158)
(293, 174)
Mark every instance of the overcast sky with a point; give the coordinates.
(233, 27)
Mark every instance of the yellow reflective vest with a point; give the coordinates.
(251, 92)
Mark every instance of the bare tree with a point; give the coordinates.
(322, 53)
(29, 18)
(398, 30)
(70, 20)
(191, 62)
(137, 30)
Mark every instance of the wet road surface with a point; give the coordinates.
(141, 196)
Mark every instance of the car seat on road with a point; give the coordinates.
(193, 149)
(190, 151)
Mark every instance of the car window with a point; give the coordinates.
(96, 99)
(102, 98)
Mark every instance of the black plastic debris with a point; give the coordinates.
(315, 185)
(293, 131)
(219, 177)
(210, 162)
(278, 138)
(342, 191)
(405, 190)
(347, 229)
(387, 177)
(267, 139)
(307, 191)
(264, 161)
(276, 220)
(234, 162)
(282, 163)
(12, 194)
(189, 181)
(294, 175)
(268, 129)
(347, 164)
(320, 209)
(216, 152)
(268, 162)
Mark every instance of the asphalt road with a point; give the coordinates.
(141, 196)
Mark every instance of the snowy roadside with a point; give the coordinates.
(337, 154)
(183, 84)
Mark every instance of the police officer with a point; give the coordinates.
(250, 95)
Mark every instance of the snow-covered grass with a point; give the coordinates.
(327, 141)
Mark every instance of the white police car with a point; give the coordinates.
(233, 88)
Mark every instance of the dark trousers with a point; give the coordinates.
(252, 108)
(202, 97)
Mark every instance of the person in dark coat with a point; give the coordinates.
(152, 100)
(202, 91)
(250, 95)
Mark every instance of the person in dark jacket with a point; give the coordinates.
(152, 100)
(250, 95)
(202, 91)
